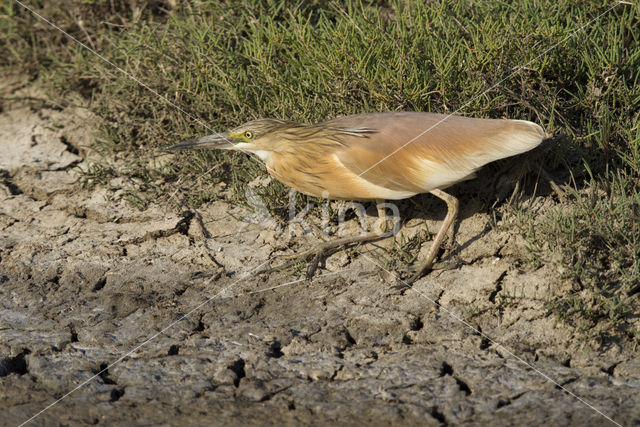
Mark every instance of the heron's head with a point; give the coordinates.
(260, 137)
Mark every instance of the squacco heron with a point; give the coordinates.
(378, 156)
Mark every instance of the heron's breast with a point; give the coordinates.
(327, 177)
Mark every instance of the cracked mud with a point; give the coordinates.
(85, 280)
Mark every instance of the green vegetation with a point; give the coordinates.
(226, 62)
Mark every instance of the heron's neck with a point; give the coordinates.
(264, 155)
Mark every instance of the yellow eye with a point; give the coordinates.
(248, 134)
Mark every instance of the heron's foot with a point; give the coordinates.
(321, 251)
(416, 272)
(318, 253)
(452, 262)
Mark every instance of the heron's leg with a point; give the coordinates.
(452, 213)
(320, 251)
(383, 222)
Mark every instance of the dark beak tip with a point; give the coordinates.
(183, 145)
(209, 141)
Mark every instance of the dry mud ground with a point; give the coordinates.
(88, 283)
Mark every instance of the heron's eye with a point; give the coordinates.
(248, 134)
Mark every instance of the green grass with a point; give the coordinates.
(228, 62)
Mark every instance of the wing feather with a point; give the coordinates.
(418, 152)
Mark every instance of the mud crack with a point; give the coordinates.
(181, 227)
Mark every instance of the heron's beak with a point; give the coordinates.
(217, 140)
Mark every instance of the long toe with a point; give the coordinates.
(315, 262)
(452, 262)
(414, 273)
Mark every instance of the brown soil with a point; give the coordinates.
(167, 303)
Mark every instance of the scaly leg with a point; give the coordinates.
(452, 213)
(321, 250)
